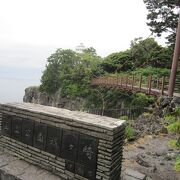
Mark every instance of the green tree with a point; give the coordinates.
(147, 52)
(70, 72)
(59, 67)
(116, 62)
(163, 17)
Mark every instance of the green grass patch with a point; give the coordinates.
(170, 118)
(130, 133)
(177, 164)
(174, 127)
(174, 144)
(124, 118)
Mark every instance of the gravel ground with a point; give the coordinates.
(152, 156)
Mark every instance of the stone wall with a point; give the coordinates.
(97, 154)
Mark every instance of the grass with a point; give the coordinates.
(170, 118)
(177, 164)
(124, 118)
(174, 127)
(174, 144)
(130, 133)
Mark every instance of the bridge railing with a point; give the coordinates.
(148, 85)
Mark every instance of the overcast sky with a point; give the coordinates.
(30, 30)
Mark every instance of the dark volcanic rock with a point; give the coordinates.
(164, 130)
(142, 160)
(166, 101)
(147, 125)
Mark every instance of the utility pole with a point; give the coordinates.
(172, 79)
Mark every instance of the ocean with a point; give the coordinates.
(12, 90)
(14, 81)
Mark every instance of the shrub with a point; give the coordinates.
(177, 164)
(142, 100)
(130, 133)
(174, 127)
(124, 118)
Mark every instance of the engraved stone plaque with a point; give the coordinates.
(16, 128)
(87, 151)
(53, 143)
(27, 131)
(69, 165)
(69, 145)
(6, 125)
(79, 169)
(40, 133)
(90, 173)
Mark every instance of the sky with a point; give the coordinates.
(30, 30)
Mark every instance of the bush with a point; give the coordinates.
(130, 133)
(174, 127)
(124, 118)
(177, 164)
(142, 100)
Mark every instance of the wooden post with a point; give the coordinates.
(150, 84)
(121, 80)
(157, 83)
(140, 83)
(132, 82)
(162, 86)
(126, 81)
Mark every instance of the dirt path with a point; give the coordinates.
(152, 156)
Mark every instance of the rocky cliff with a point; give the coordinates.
(33, 95)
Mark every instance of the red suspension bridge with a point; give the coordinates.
(147, 85)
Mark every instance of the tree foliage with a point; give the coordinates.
(70, 72)
(142, 53)
(117, 62)
(147, 52)
(163, 17)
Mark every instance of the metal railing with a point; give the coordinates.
(132, 113)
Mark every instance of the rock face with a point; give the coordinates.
(33, 95)
(147, 125)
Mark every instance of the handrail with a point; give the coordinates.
(147, 85)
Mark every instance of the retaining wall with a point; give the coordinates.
(73, 145)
